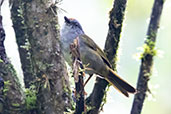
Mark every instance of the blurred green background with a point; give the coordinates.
(93, 16)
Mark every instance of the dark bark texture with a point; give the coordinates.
(41, 28)
(111, 47)
(3, 55)
(24, 47)
(79, 95)
(11, 95)
(78, 76)
(147, 59)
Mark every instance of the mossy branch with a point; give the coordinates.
(11, 95)
(37, 34)
(24, 47)
(112, 43)
(147, 57)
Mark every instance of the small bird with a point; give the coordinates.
(91, 55)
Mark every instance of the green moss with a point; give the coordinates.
(6, 87)
(13, 72)
(105, 97)
(114, 61)
(149, 48)
(16, 105)
(65, 88)
(147, 74)
(20, 14)
(31, 97)
(1, 61)
(90, 108)
(43, 65)
(26, 45)
(69, 112)
(78, 96)
(57, 26)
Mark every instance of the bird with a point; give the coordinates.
(91, 54)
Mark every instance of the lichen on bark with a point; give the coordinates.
(47, 65)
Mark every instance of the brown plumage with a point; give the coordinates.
(91, 55)
(105, 71)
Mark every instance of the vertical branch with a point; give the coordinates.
(3, 55)
(111, 47)
(11, 95)
(79, 95)
(39, 21)
(78, 76)
(147, 59)
(23, 43)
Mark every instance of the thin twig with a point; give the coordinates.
(1, 2)
(88, 79)
(78, 76)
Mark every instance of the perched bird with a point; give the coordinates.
(90, 54)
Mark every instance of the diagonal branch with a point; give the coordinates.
(111, 47)
(147, 58)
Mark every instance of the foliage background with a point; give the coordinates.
(93, 16)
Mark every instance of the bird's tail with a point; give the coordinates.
(121, 85)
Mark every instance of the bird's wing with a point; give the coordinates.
(90, 43)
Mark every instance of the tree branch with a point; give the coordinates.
(3, 55)
(23, 43)
(80, 95)
(11, 95)
(111, 47)
(41, 28)
(1, 2)
(78, 76)
(147, 58)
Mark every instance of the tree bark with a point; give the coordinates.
(79, 95)
(147, 59)
(11, 94)
(24, 47)
(78, 76)
(41, 28)
(111, 47)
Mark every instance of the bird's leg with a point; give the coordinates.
(88, 79)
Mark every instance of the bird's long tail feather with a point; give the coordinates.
(121, 85)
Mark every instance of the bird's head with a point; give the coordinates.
(72, 26)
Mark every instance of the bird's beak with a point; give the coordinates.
(66, 19)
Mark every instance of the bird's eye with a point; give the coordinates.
(76, 24)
